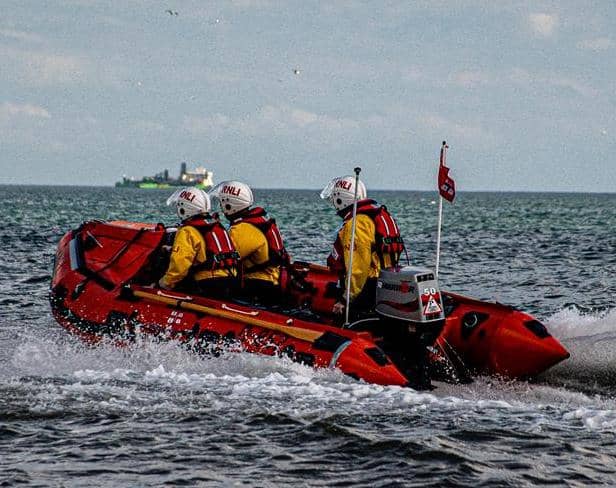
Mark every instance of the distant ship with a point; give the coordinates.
(199, 177)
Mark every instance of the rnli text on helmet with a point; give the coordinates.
(345, 185)
(231, 190)
(186, 195)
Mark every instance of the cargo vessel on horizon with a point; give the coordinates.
(199, 177)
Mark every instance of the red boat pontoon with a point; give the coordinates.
(99, 289)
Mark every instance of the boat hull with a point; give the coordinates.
(98, 292)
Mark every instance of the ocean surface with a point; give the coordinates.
(155, 414)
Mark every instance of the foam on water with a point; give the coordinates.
(571, 323)
(590, 337)
(156, 414)
(162, 378)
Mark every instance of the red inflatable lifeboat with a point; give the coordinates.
(100, 290)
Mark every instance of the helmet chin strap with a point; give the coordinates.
(350, 269)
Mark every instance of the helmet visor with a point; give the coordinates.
(215, 191)
(326, 194)
(173, 199)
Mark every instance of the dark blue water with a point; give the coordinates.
(155, 414)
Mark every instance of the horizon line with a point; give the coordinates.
(584, 192)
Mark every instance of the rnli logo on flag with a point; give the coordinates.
(447, 189)
(446, 185)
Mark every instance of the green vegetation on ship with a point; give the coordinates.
(199, 177)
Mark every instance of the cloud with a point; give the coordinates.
(521, 77)
(302, 118)
(543, 24)
(55, 68)
(42, 68)
(26, 124)
(10, 110)
(282, 119)
(20, 35)
(415, 73)
(209, 125)
(148, 126)
(325, 129)
(525, 78)
(471, 79)
(572, 84)
(598, 44)
(457, 130)
(251, 3)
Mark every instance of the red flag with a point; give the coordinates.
(446, 185)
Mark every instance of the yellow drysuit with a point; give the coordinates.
(252, 246)
(189, 249)
(366, 262)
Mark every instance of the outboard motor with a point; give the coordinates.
(409, 301)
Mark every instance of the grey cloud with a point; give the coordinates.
(596, 44)
(42, 68)
(21, 35)
(270, 119)
(10, 110)
(543, 24)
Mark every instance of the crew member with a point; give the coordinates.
(202, 249)
(257, 239)
(378, 243)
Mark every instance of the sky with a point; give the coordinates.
(288, 94)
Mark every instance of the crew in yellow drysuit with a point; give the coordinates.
(377, 243)
(202, 248)
(257, 239)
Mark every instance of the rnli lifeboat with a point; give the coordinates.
(100, 291)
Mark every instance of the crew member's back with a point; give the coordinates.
(202, 256)
(378, 243)
(257, 239)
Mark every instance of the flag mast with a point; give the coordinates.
(438, 234)
(446, 190)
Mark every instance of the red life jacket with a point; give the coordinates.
(388, 241)
(277, 254)
(220, 252)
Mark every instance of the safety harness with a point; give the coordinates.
(219, 250)
(277, 254)
(388, 241)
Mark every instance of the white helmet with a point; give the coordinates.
(234, 196)
(341, 190)
(189, 202)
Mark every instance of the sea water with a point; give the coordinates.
(155, 414)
